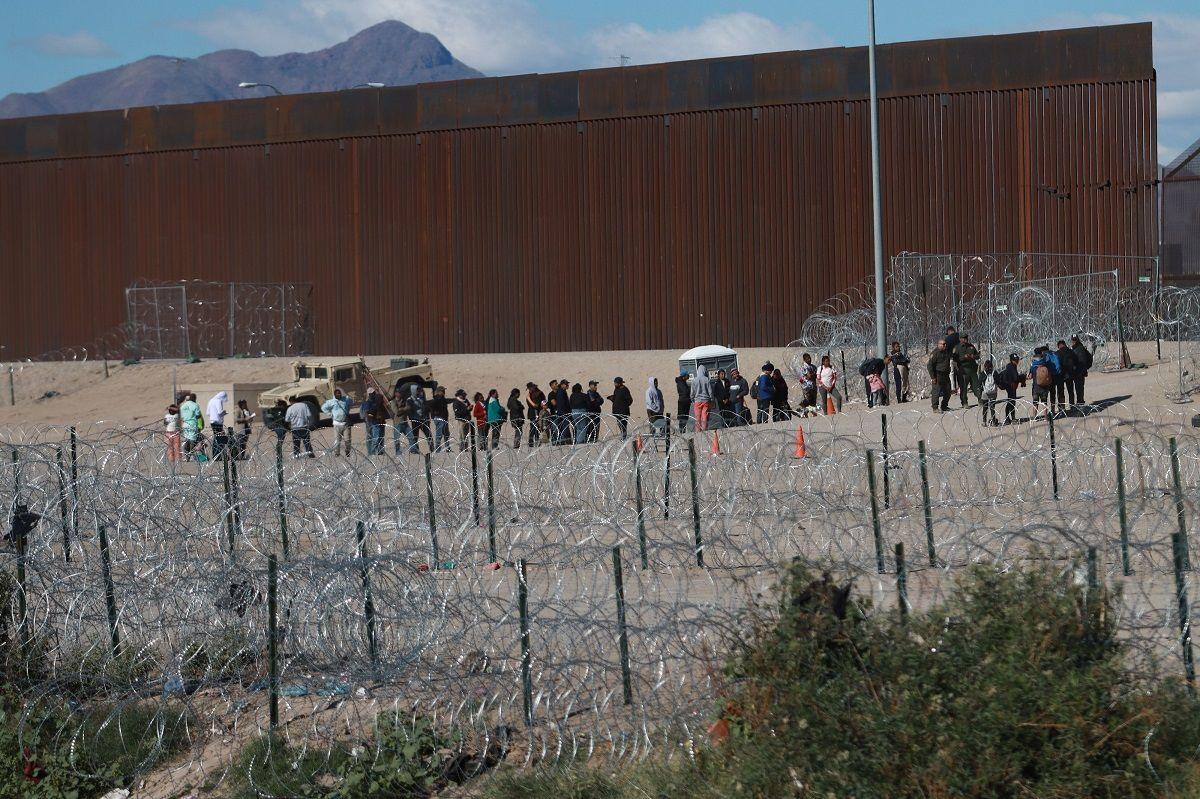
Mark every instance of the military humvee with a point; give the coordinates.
(313, 382)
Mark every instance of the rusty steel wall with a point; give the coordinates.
(642, 228)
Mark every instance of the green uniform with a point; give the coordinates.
(967, 358)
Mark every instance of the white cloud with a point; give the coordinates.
(80, 43)
(1179, 105)
(726, 34)
(497, 36)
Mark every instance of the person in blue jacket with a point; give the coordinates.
(764, 392)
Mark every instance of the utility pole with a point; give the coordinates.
(876, 199)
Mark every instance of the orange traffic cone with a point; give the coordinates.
(800, 450)
(638, 446)
(716, 447)
(830, 410)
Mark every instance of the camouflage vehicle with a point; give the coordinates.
(314, 381)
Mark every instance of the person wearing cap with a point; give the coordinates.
(622, 404)
(1010, 377)
(374, 415)
(940, 367)
(562, 413)
(536, 410)
(462, 415)
(764, 392)
(595, 406)
(683, 403)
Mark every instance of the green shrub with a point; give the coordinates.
(1018, 685)
(406, 758)
(56, 754)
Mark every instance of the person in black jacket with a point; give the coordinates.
(1083, 360)
(1066, 375)
(622, 403)
(578, 403)
(462, 415)
(439, 412)
(562, 414)
(516, 415)
(1009, 378)
(900, 364)
(595, 407)
(940, 366)
(683, 406)
(537, 401)
(720, 400)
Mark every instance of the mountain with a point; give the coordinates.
(390, 52)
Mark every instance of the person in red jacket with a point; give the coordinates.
(479, 412)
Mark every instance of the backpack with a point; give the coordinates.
(1044, 377)
(989, 383)
(754, 390)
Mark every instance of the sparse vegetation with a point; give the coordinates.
(1017, 686)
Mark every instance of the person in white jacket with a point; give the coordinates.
(216, 420)
(338, 408)
(827, 378)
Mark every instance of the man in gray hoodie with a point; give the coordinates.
(702, 395)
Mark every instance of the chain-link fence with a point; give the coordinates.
(206, 319)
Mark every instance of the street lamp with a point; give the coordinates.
(371, 85)
(876, 200)
(251, 85)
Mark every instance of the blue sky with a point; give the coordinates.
(48, 41)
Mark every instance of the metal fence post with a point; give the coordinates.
(228, 496)
(273, 640)
(887, 484)
(641, 510)
(880, 566)
(929, 545)
(526, 660)
(110, 601)
(901, 581)
(368, 603)
(74, 485)
(283, 527)
(667, 474)
(1185, 612)
(1180, 508)
(433, 537)
(491, 506)
(622, 632)
(1053, 455)
(62, 503)
(691, 442)
(474, 476)
(1121, 511)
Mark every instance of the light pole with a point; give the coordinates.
(251, 85)
(369, 85)
(876, 199)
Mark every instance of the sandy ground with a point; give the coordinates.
(136, 395)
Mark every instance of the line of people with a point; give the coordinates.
(1057, 376)
(185, 424)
